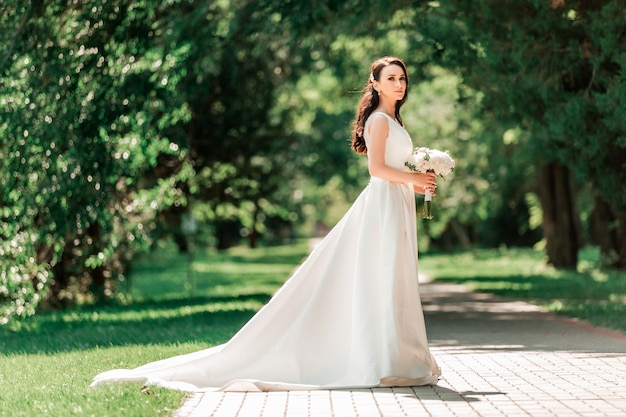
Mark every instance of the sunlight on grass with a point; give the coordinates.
(166, 313)
(238, 271)
(42, 384)
(231, 268)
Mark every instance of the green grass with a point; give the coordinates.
(591, 292)
(48, 361)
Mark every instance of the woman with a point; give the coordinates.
(350, 316)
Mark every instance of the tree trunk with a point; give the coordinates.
(608, 231)
(254, 235)
(561, 223)
(462, 235)
(620, 262)
(226, 233)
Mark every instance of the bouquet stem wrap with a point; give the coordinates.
(426, 212)
(430, 160)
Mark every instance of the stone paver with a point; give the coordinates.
(499, 358)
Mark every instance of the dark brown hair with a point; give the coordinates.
(369, 101)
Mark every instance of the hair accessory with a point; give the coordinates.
(371, 76)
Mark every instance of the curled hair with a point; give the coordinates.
(370, 100)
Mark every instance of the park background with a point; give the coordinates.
(121, 120)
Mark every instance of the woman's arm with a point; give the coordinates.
(379, 130)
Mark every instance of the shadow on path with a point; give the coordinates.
(457, 319)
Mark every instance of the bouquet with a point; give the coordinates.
(424, 160)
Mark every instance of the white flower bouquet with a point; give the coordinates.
(424, 160)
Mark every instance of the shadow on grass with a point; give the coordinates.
(154, 305)
(230, 287)
(204, 320)
(287, 259)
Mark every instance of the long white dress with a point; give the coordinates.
(350, 316)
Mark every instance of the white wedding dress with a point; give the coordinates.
(350, 316)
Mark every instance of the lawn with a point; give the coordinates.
(47, 364)
(48, 361)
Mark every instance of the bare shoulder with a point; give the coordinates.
(378, 124)
(378, 117)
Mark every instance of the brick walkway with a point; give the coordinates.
(499, 358)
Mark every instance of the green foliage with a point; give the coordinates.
(22, 280)
(491, 179)
(256, 127)
(119, 116)
(85, 116)
(106, 106)
(543, 70)
(553, 70)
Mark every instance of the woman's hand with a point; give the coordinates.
(425, 181)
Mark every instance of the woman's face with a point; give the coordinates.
(391, 82)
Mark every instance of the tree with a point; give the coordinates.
(106, 107)
(86, 112)
(241, 134)
(553, 69)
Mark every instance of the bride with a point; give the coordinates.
(350, 316)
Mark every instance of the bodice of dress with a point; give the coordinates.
(399, 145)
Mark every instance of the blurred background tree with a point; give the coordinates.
(551, 72)
(120, 116)
(87, 160)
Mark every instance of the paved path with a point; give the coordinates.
(499, 358)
